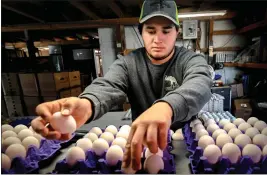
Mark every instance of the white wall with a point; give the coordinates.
(133, 39)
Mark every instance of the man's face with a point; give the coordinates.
(159, 35)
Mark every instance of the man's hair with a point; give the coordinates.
(140, 28)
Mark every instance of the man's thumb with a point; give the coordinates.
(67, 108)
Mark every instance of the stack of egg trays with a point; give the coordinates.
(217, 116)
(94, 164)
(200, 165)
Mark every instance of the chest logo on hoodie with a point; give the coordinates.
(170, 83)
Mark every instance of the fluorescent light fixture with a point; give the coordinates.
(202, 14)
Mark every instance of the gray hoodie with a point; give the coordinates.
(186, 83)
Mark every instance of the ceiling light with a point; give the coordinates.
(202, 14)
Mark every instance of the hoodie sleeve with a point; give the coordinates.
(188, 99)
(108, 91)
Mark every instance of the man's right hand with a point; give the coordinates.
(80, 109)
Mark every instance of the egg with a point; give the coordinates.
(30, 141)
(112, 129)
(212, 153)
(84, 143)
(209, 121)
(125, 128)
(197, 127)
(212, 127)
(178, 131)
(217, 132)
(9, 141)
(227, 127)
(244, 126)
(5, 162)
(153, 164)
(123, 134)
(96, 130)
(20, 127)
(114, 155)
(204, 141)
(92, 136)
(194, 122)
(24, 133)
(264, 131)
(232, 152)
(252, 120)
(223, 122)
(238, 121)
(260, 140)
(222, 139)
(148, 153)
(100, 146)
(6, 127)
(30, 128)
(171, 132)
(251, 132)
(177, 136)
(74, 154)
(264, 151)
(63, 124)
(16, 150)
(260, 125)
(253, 151)
(201, 133)
(38, 137)
(242, 140)
(107, 136)
(121, 142)
(234, 132)
(9, 133)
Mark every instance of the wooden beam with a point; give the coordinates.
(84, 9)
(22, 13)
(211, 31)
(224, 32)
(222, 49)
(116, 9)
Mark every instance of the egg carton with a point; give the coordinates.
(217, 116)
(200, 165)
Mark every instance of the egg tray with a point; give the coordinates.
(94, 164)
(200, 165)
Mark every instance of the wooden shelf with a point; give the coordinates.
(254, 26)
(247, 65)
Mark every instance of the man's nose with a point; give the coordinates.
(158, 37)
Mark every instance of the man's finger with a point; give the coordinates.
(127, 154)
(43, 111)
(65, 137)
(53, 135)
(162, 136)
(68, 106)
(38, 125)
(152, 138)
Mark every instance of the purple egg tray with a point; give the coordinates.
(200, 165)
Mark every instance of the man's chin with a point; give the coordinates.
(158, 57)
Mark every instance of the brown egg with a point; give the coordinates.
(253, 151)
(218, 132)
(229, 126)
(212, 153)
(232, 152)
(264, 151)
(242, 140)
(264, 131)
(260, 140)
(252, 121)
(222, 139)
(224, 122)
(234, 132)
(260, 125)
(244, 126)
(212, 127)
(201, 133)
(238, 121)
(209, 121)
(204, 141)
(251, 132)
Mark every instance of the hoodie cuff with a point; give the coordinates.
(95, 106)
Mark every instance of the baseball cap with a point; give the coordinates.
(165, 8)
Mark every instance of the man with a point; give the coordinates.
(164, 84)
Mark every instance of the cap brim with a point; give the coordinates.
(158, 14)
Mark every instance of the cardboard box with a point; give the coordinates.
(75, 92)
(14, 106)
(31, 103)
(61, 80)
(64, 94)
(242, 108)
(47, 84)
(10, 84)
(75, 78)
(28, 84)
(48, 99)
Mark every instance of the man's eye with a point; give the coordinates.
(166, 32)
(151, 32)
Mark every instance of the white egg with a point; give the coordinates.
(171, 132)
(260, 125)
(123, 134)
(120, 142)
(6, 127)
(252, 120)
(18, 128)
(194, 122)
(16, 150)
(114, 155)
(100, 146)
(227, 127)
(9, 141)
(218, 132)
(264, 151)
(253, 151)
(177, 136)
(212, 153)
(24, 133)
(232, 152)
(260, 140)
(197, 127)
(38, 137)
(238, 121)
(148, 153)
(5, 162)
(222, 139)
(201, 133)
(234, 132)
(153, 164)
(264, 131)
(178, 131)
(63, 124)
(108, 137)
(251, 132)
(126, 128)
(244, 126)
(30, 141)
(112, 129)
(30, 128)
(212, 127)
(84, 143)
(242, 140)
(204, 141)
(96, 130)
(209, 121)
(223, 122)
(74, 154)
(92, 136)
(7, 134)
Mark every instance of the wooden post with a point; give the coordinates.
(120, 38)
(30, 45)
